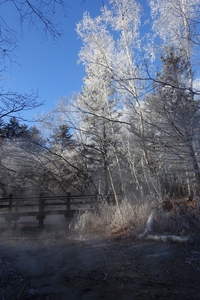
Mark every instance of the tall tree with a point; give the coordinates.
(61, 136)
(13, 130)
(174, 119)
(112, 40)
(97, 106)
(177, 24)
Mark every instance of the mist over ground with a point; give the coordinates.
(57, 263)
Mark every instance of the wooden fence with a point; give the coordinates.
(11, 209)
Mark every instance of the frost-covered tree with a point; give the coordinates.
(61, 136)
(13, 130)
(173, 118)
(176, 23)
(99, 133)
(112, 40)
(21, 151)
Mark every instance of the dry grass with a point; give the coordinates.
(112, 219)
(178, 216)
(171, 216)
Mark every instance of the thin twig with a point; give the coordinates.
(2, 296)
(23, 289)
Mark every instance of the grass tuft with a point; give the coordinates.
(177, 216)
(111, 219)
(171, 216)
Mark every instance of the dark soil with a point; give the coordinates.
(54, 263)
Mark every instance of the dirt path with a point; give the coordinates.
(56, 264)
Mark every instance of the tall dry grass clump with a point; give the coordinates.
(167, 216)
(178, 216)
(128, 217)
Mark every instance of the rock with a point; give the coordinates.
(32, 292)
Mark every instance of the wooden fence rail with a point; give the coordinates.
(11, 209)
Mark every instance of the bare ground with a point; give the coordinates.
(55, 263)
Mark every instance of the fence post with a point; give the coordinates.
(93, 200)
(41, 211)
(68, 206)
(10, 210)
(96, 198)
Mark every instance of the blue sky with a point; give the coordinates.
(46, 66)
